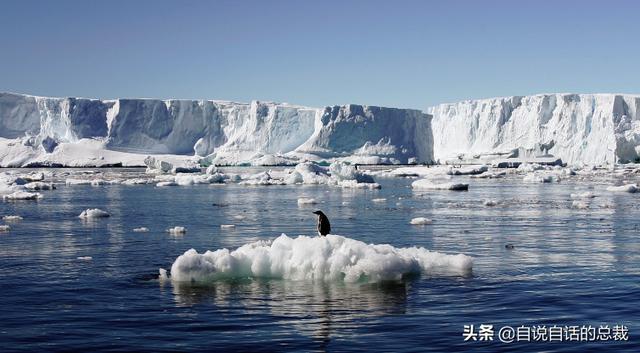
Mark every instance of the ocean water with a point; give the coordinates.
(564, 266)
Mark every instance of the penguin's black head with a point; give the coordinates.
(318, 213)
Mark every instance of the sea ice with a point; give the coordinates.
(426, 184)
(307, 201)
(12, 218)
(4, 228)
(177, 230)
(22, 195)
(632, 188)
(141, 230)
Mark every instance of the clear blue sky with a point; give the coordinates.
(391, 53)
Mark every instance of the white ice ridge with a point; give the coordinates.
(91, 132)
(330, 258)
(579, 128)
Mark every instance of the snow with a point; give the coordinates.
(426, 184)
(632, 188)
(420, 221)
(318, 259)
(578, 128)
(94, 213)
(141, 230)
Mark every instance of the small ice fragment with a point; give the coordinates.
(421, 221)
(141, 230)
(23, 195)
(4, 228)
(632, 188)
(306, 201)
(85, 258)
(94, 213)
(166, 183)
(379, 200)
(162, 274)
(227, 226)
(490, 203)
(583, 195)
(579, 204)
(177, 230)
(11, 218)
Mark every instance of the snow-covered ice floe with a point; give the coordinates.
(141, 229)
(94, 213)
(426, 184)
(14, 218)
(330, 258)
(4, 228)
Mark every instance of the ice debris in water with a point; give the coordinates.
(4, 228)
(177, 230)
(330, 258)
(539, 178)
(23, 195)
(39, 185)
(382, 199)
(632, 188)
(141, 230)
(579, 205)
(583, 195)
(307, 201)
(84, 258)
(11, 218)
(94, 213)
(227, 226)
(490, 203)
(426, 184)
(420, 221)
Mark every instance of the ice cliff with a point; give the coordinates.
(79, 132)
(579, 128)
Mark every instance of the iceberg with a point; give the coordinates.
(593, 129)
(77, 132)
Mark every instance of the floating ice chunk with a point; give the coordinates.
(583, 195)
(4, 228)
(352, 184)
(468, 171)
(421, 221)
(490, 203)
(137, 181)
(632, 188)
(426, 184)
(227, 226)
(579, 204)
(12, 218)
(141, 230)
(155, 166)
(379, 200)
(84, 258)
(94, 213)
(341, 171)
(23, 195)
(330, 258)
(177, 230)
(307, 201)
(166, 183)
(263, 178)
(72, 181)
(162, 274)
(490, 175)
(39, 185)
(529, 167)
(538, 178)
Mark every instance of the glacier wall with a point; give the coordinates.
(579, 128)
(226, 132)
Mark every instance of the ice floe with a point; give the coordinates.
(420, 221)
(632, 188)
(426, 184)
(22, 195)
(141, 229)
(177, 230)
(330, 258)
(14, 218)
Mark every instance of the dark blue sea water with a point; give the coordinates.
(568, 267)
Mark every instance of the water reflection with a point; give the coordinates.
(317, 310)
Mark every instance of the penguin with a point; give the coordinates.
(324, 227)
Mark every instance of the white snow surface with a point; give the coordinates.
(579, 128)
(330, 258)
(90, 132)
